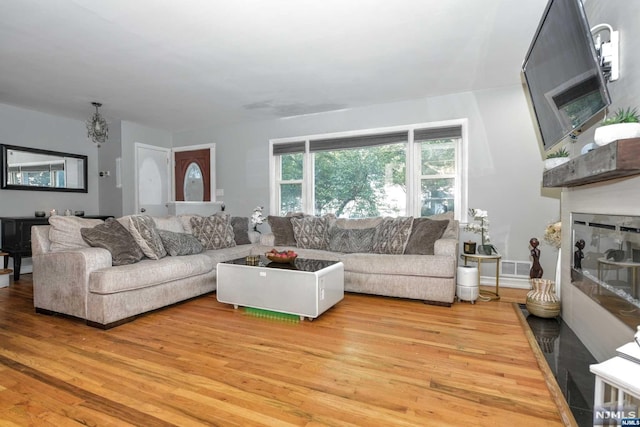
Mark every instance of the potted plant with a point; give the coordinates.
(624, 124)
(556, 158)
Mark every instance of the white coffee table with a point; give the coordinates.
(306, 288)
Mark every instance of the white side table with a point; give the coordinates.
(617, 385)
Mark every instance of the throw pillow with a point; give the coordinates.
(351, 240)
(424, 234)
(392, 235)
(180, 243)
(113, 237)
(311, 232)
(451, 231)
(144, 232)
(65, 231)
(213, 232)
(282, 229)
(240, 225)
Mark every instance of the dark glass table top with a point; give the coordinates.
(299, 264)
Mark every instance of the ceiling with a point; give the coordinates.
(187, 64)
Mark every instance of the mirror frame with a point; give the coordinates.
(5, 169)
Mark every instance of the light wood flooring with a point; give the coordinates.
(369, 361)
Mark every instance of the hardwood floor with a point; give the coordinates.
(369, 361)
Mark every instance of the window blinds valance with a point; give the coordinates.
(358, 141)
(288, 148)
(437, 133)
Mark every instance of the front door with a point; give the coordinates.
(188, 176)
(152, 179)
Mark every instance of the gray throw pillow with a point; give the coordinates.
(311, 232)
(213, 232)
(282, 229)
(392, 235)
(178, 244)
(113, 237)
(240, 225)
(351, 240)
(424, 234)
(144, 231)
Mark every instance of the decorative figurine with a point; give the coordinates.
(578, 255)
(536, 269)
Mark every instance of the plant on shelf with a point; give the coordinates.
(624, 124)
(482, 227)
(628, 115)
(558, 154)
(556, 158)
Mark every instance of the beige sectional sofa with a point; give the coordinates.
(83, 282)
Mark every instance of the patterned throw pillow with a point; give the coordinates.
(213, 232)
(180, 243)
(351, 240)
(424, 234)
(144, 232)
(311, 232)
(392, 235)
(113, 237)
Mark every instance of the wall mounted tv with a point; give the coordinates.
(565, 82)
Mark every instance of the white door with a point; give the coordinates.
(153, 176)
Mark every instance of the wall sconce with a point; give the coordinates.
(608, 52)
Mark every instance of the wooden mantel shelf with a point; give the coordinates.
(616, 160)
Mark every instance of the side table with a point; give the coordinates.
(616, 388)
(479, 258)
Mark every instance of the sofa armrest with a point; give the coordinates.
(61, 279)
(446, 247)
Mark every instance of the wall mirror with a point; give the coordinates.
(26, 168)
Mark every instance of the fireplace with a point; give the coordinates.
(605, 264)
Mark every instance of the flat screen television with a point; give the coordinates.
(562, 72)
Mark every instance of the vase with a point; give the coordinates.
(542, 300)
(607, 134)
(254, 236)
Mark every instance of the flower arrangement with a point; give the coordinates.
(553, 234)
(481, 224)
(257, 217)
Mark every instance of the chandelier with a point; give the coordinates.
(97, 128)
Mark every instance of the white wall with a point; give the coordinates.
(505, 160)
(28, 128)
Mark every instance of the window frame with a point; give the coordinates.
(413, 169)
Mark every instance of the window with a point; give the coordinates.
(414, 170)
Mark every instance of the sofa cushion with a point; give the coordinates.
(424, 234)
(169, 223)
(144, 232)
(177, 244)
(65, 231)
(282, 229)
(148, 273)
(113, 237)
(351, 240)
(214, 232)
(392, 235)
(400, 265)
(240, 225)
(311, 232)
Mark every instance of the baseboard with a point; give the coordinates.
(506, 282)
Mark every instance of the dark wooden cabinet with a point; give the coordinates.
(16, 238)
